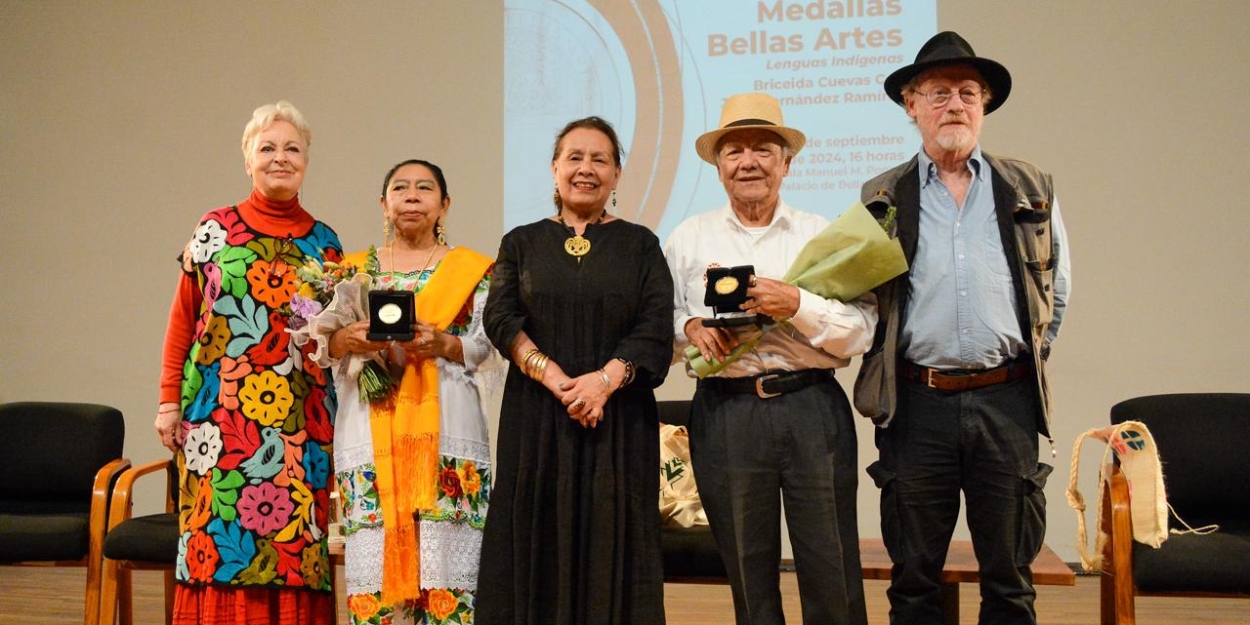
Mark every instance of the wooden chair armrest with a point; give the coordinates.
(1117, 551)
(101, 488)
(120, 509)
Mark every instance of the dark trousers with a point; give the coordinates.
(982, 442)
(751, 455)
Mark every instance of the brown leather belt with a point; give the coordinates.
(965, 379)
(768, 385)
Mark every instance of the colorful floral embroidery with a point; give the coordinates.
(449, 481)
(313, 566)
(264, 508)
(364, 607)
(202, 447)
(435, 606)
(208, 239)
(441, 604)
(266, 397)
(213, 341)
(201, 557)
(358, 495)
(464, 490)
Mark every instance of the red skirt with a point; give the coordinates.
(222, 605)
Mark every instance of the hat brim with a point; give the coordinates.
(705, 145)
(995, 75)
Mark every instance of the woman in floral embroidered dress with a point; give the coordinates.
(247, 413)
(398, 571)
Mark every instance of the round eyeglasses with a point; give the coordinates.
(939, 97)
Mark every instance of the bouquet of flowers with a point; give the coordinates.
(313, 308)
(850, 257)
(315, 282)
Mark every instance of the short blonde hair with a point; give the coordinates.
(264, 116)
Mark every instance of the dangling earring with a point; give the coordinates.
(386, 229)
(614, 198)
(555, 197)
(440, 232)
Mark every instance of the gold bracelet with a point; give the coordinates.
(525, 360)
(540, 367)
(607, 381)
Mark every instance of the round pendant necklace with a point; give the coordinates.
(577, 245)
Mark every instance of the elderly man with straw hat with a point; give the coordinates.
(773, 425)
(956, 377)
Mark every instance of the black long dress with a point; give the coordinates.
(573, 534)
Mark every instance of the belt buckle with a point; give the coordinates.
(928, 377)
(759, 385)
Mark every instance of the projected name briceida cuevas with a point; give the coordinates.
(660, 69)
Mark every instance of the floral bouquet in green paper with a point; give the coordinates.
(850, 257)
(328, 296)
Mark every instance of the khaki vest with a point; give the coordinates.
(1023, 197)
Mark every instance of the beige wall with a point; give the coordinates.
(120, 124)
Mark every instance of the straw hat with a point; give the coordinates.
(749, 110)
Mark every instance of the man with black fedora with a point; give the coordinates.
(773, 425)
(956, 377)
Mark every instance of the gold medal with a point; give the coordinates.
(577, 245)
(726, 285)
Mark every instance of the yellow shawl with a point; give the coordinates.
(405, 430)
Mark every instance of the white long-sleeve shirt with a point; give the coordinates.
(823, 334)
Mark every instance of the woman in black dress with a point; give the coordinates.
(582, 303)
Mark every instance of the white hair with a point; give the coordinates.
(264, 117)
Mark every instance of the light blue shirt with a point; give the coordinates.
(961, 309)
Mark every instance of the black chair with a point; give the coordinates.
(59, 461)
(690, 553)
(138, 543)
(1202, 443)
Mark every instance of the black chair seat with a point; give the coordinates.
(1218, 562)
(152, 538)
(690, 553)
(44, 538)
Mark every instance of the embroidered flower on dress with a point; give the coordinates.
(201, 557)
(311, 566)
(264, 508)
(213, 341)
(272, 282)
(202, 447)
(363, 606)
(266, 397)
(208, 239)
(449, 480)
(441, 603)
(470, 478)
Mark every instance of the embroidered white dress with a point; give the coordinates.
(451, 533)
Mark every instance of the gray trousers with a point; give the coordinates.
(750, 455)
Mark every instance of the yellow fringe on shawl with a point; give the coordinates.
(405, 430)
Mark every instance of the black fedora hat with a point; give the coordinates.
(948, 48)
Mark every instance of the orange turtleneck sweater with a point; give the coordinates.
(286, 219)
